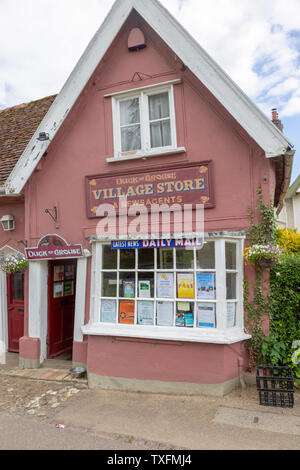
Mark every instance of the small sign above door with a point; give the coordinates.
(53, 247)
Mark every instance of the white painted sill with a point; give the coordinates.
(144, 156)
(203, 335)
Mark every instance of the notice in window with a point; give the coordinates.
(184, 314)
(185, 285)
(58, 273)
(108, 311)
(145, 313)
(69, 288)
(145, 289)
(206, 317)
(126, 312)
(165, 283)
(165, 313)
(58, 290)
(206, 288)
(128, 289)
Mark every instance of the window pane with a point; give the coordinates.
(145, 313)
(165, 285)
(127, 285)
(231, 314)
(127, 259)
(206, 315)
(110, 256)
(131, 138)
(184, 258)
(165, 313)
(146, 259)
(109, 284)
(206, 256)
(146, 285)
(18, 287)
(159, 106)
(130, 112)
(184, 314)
(206, 286)
(160, 134)
(165, 258)
(230, 255)
(231, 285)
(108, 311)
(185, 286)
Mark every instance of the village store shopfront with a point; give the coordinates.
(139, 120)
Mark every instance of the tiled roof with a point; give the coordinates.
(17, 126)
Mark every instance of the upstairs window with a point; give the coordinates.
(144, 122)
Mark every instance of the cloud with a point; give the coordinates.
(256, 43)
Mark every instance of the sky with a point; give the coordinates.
(256, 42)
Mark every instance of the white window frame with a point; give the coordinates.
(219, 335)
(146, 150)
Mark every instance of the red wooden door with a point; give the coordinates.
(15, 308)
(61, 308)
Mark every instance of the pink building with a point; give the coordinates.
(149, 115)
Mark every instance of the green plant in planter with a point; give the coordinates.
(13, 264)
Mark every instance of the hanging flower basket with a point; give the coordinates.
(265, 256)
(13, 264)
(267, 263)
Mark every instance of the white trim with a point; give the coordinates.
(145, 155)
(38, 304)
(3, 310)
(246, 113)
(80, 298)
(142, 88)
(229, 336)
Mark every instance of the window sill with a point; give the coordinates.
(144, 156)
(203, 335)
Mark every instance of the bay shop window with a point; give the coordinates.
(169, 292)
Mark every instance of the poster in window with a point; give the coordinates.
(165, 313)
(184, 314)
(126, 312)
(58, 290)
(69, 288)
(69, 272)
(206, 316)
(58, 273)
(185, 285)
(145, 313)
(145, 289)
(206, 288)
(165, 285)
(128, 289)
(108, 311)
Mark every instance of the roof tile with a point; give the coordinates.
(17, 126)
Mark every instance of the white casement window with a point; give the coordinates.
(144, 123)
(170, 293)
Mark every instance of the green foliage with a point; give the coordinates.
(262, 222)
(284, 298)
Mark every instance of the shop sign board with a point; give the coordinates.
(146, 244)
(185, 184)
(53, 247)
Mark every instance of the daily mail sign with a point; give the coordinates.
(53, 247)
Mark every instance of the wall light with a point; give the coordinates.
(8, 223)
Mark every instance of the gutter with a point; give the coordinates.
(288, 159)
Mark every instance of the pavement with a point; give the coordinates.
(48, 402)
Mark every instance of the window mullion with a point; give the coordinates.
(220, 284)
(145, 130)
